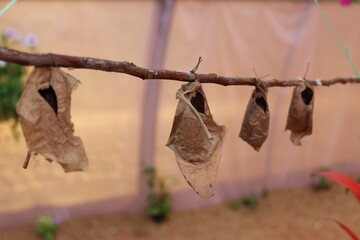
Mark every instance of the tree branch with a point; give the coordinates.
(57, 60)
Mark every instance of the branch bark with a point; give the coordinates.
(57, 60)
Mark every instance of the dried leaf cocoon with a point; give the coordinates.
(255, 125)
(44, 113)
(196, 139)
(300, 117)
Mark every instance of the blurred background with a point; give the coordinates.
(125, 122)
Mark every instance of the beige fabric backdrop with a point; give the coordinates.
(106, 108)
(279, 38)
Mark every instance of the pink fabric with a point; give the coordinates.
(345, 2)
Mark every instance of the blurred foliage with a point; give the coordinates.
(250, 201)
(265, 193)
(235, 205)
(159, 207)
(11, 86)
(322, 183)
(46, 227)
(12, 76)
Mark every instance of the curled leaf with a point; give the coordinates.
(196, 139)
(343, 180)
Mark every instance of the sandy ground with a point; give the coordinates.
(290, 214)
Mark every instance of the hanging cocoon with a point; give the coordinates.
(300, 117)
(44, 113)
(196, 139)
(255, 125)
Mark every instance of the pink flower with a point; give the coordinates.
(57, 219)
(345, 2)
(31, 40)
(12, 34)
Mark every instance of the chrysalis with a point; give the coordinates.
(196, 139)
(255, 125)
(300, 117)
(44, 113)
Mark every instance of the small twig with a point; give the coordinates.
(27, 159)
(257, 77)
(307, 70)
(197, 65)
(266, 75)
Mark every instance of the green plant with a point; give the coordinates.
(47, 226)
(322, 183)
(11, 76)
(11, 86)
(159, 207)
(250, 201)
(235, 205)
(265, 193)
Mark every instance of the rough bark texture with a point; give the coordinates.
(57, 60)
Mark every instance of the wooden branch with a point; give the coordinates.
(57, 60)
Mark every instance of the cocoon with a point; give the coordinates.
(255, 125)
(44, 114)
(196, 139)
(300, 117)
